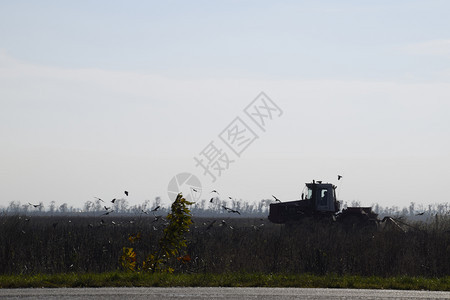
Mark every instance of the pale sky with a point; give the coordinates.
(98, 97)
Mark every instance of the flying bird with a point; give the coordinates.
(226, 208)
(211, 200)
(156, 208)
(420, 214)
(35, 205)
(113, 200)
(195, 190)
(108, 212)
(126, 193)
(276, 199)
(339, 177)
(99, 199)
(214, 191)
(144, 212)
(234, 211)
(230, 210)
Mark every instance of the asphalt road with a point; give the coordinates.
(215, 293)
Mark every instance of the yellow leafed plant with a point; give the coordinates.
(128, 259)
(170, 246)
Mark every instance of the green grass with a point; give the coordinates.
(122, 279)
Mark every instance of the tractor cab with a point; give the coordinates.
(322, 196)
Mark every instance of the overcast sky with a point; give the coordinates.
(98, 97)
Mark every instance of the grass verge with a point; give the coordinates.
(122, 279)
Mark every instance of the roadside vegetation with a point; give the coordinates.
(122, 279)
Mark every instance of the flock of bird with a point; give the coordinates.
(157, 218)
(230, 210)
(109, 210)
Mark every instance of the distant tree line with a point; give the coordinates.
(203, 208)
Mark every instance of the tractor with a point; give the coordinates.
(318, 201)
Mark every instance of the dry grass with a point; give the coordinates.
(54, 245)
